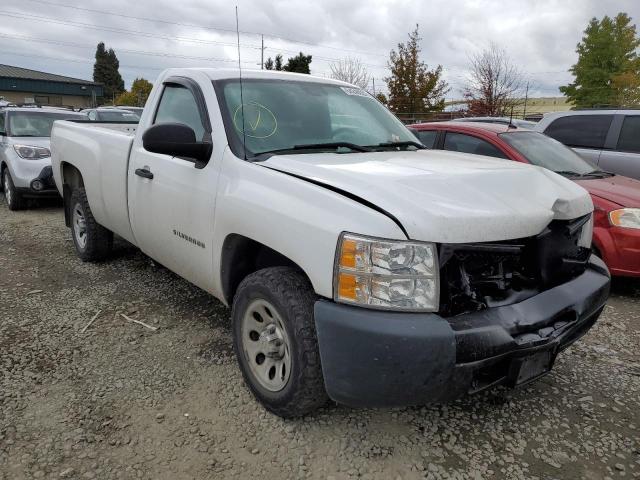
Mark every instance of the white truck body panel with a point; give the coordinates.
(493, 199)
(436, 196)
(102, 155)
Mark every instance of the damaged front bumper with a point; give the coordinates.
(376, 358)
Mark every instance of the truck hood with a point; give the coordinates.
(617, 189)
(445, 196)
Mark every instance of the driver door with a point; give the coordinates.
(171, 201)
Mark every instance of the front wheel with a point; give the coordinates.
(93, 242)
(11, 195)
(275, 341)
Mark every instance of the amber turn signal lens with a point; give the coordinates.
(347, 284)
(348, 253)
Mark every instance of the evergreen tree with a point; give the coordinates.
(300, 64)
(413, 88)
(271, 65)
(608, 69)
(105, 71)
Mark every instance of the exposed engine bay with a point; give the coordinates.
(475, 276)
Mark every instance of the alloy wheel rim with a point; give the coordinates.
(266, 345)
(7, 190)
(80, 226)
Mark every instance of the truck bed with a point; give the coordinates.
(101, 152)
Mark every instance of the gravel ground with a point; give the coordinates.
(123, 401)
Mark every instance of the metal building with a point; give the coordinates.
(24, 86)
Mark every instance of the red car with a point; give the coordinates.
(616, 233)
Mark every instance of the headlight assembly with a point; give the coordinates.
(29, 152)
(625, 217)
(387, 274)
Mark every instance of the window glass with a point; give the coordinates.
(587, 131)
(459, 142)
(116, 116)
(548, 153)
(629, 140)
(35, 123)
(1, 123)
(178, 105)
(426, 137)
(281, 114)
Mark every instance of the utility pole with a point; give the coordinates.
(374, 86)
(526, 97)
(262, 52)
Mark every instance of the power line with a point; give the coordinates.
(89, 62)
(135, 52)
(38, 18)
(83, 61)
(229, 30)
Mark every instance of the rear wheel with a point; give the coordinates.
(13, 197)
(275, 341)
(93, 242)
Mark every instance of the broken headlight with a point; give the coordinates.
(387, 274)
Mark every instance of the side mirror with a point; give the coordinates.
(177, 140)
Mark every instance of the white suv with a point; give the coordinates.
(25, 158)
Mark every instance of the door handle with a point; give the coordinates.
(144, 173)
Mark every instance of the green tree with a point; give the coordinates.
(608, 69)
(137, 97)
(271, 65)
(300, 64)
(105, 71)
(413, 88)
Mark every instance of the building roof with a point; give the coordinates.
(9, 71)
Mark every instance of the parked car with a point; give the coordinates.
(136, 110)
(110, 114)
(616, 233)
(358, 265)
(25, 158)
(501, 120)
(607, 138)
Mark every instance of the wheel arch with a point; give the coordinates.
(71, 177)
(242, 256)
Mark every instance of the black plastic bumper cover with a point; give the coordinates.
(377, 358)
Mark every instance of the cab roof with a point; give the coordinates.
(232, 73)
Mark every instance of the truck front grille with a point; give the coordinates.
(475, 276)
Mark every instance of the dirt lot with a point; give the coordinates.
(123, 401)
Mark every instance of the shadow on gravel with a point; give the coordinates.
(43, 203)
(624, 286)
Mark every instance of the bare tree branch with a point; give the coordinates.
(350, 70)
(494, 87)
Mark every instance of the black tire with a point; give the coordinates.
(98, 241)
(14, 199)
(290, 292)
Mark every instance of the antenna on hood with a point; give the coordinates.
(244, 138)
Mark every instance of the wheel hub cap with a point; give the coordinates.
(7, 190)
(79, 226)
(266, 346)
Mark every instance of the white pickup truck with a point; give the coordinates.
(359, 266)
